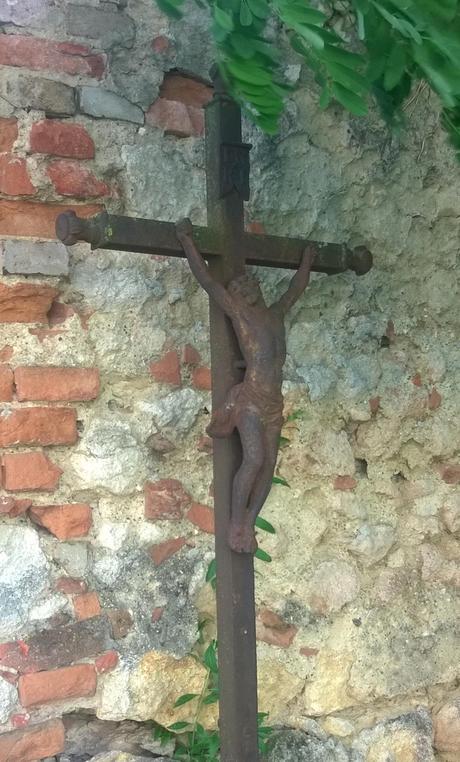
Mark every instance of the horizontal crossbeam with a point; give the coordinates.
(110, 231)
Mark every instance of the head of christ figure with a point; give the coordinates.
(246, 287)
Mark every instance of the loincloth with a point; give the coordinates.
(244, 397)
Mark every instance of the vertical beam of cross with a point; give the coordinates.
(235, 572)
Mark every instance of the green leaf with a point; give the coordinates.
(210, 658)
(263, 556)
(259, 8)
(402, 25)
(245, 14)
(325, 98)
(246, 72)
(395, 67)
(280, 480)
(300, 13)
(211, 698)
(265, 525)
(171, 7)
(310, 35)
(212, 570)
(176, 727)
(223, 19)
(244, 46)
(348, 78)
(352, 101)
(343, 57)
(185, 699)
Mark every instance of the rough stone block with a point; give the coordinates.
(58, 647)
(28, 92)
(40, 688)
(166, 499)
(50, 384)
(38, 426)
(8, 134)
(25, 302)
(29, 471)
(60, 139)
(35, 257)
(108, 27)
(71, 586)
(14, 177)
(64, 521)
(105, 104)
(32, 743)
(6, 384)
(70, 178)
(8, 698)
(447, 727)
(26, 218)
(41, 54)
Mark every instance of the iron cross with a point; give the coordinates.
(227, 248)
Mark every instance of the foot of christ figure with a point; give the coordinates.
(254, 407)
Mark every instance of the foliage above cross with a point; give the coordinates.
(358, 50)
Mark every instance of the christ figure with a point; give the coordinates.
(253, 407)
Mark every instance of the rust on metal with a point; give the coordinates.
(253, 407)
(111, 231)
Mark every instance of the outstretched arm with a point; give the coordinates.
(299, 282)
(200, 269)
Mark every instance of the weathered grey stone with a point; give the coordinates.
(8, 699)
(334, 584)
(110, 285)
(446, 722)
(25, 12)
(372, 542)
(177, 410)
(105, 104)
(407, 738)
(110, 28)
(295, 746)
(23, 576)
(71, 556)
(110, 457)
(98, 737)
(32, 257)
(138, 78)
(29, 92)
(117, 756)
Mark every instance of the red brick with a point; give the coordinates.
(25, 302)
(451, 473)
(6, 353)
(160, 44)
(61, 139)
(176, 118)
(417, 380)
(192, 92)
(166, 499)
(71, 585)
(86, 606)
(106, 662)
(164, 550)
(202, 516)
(345, 483)
(14, 177)
(167, 370)
(32, 219)
(13, 508)
(6, 383)
(272, 629)
(59, 313)
(374, 404)
(20, 720)
(38, 426)
(157, 613)
(72, 179)
(434, 400)
(50, 384)
(191, 356)
(308, 652)
(29, 471)
(201, 378)
(8, 134)
(36, 742)
(39, 54)
(40, 688)
(64, 521)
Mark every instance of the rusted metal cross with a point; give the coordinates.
(226, 247)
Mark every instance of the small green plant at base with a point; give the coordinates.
(193, 742)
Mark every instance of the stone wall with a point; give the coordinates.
(106, 508)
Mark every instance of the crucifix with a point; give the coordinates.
(247, 408)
